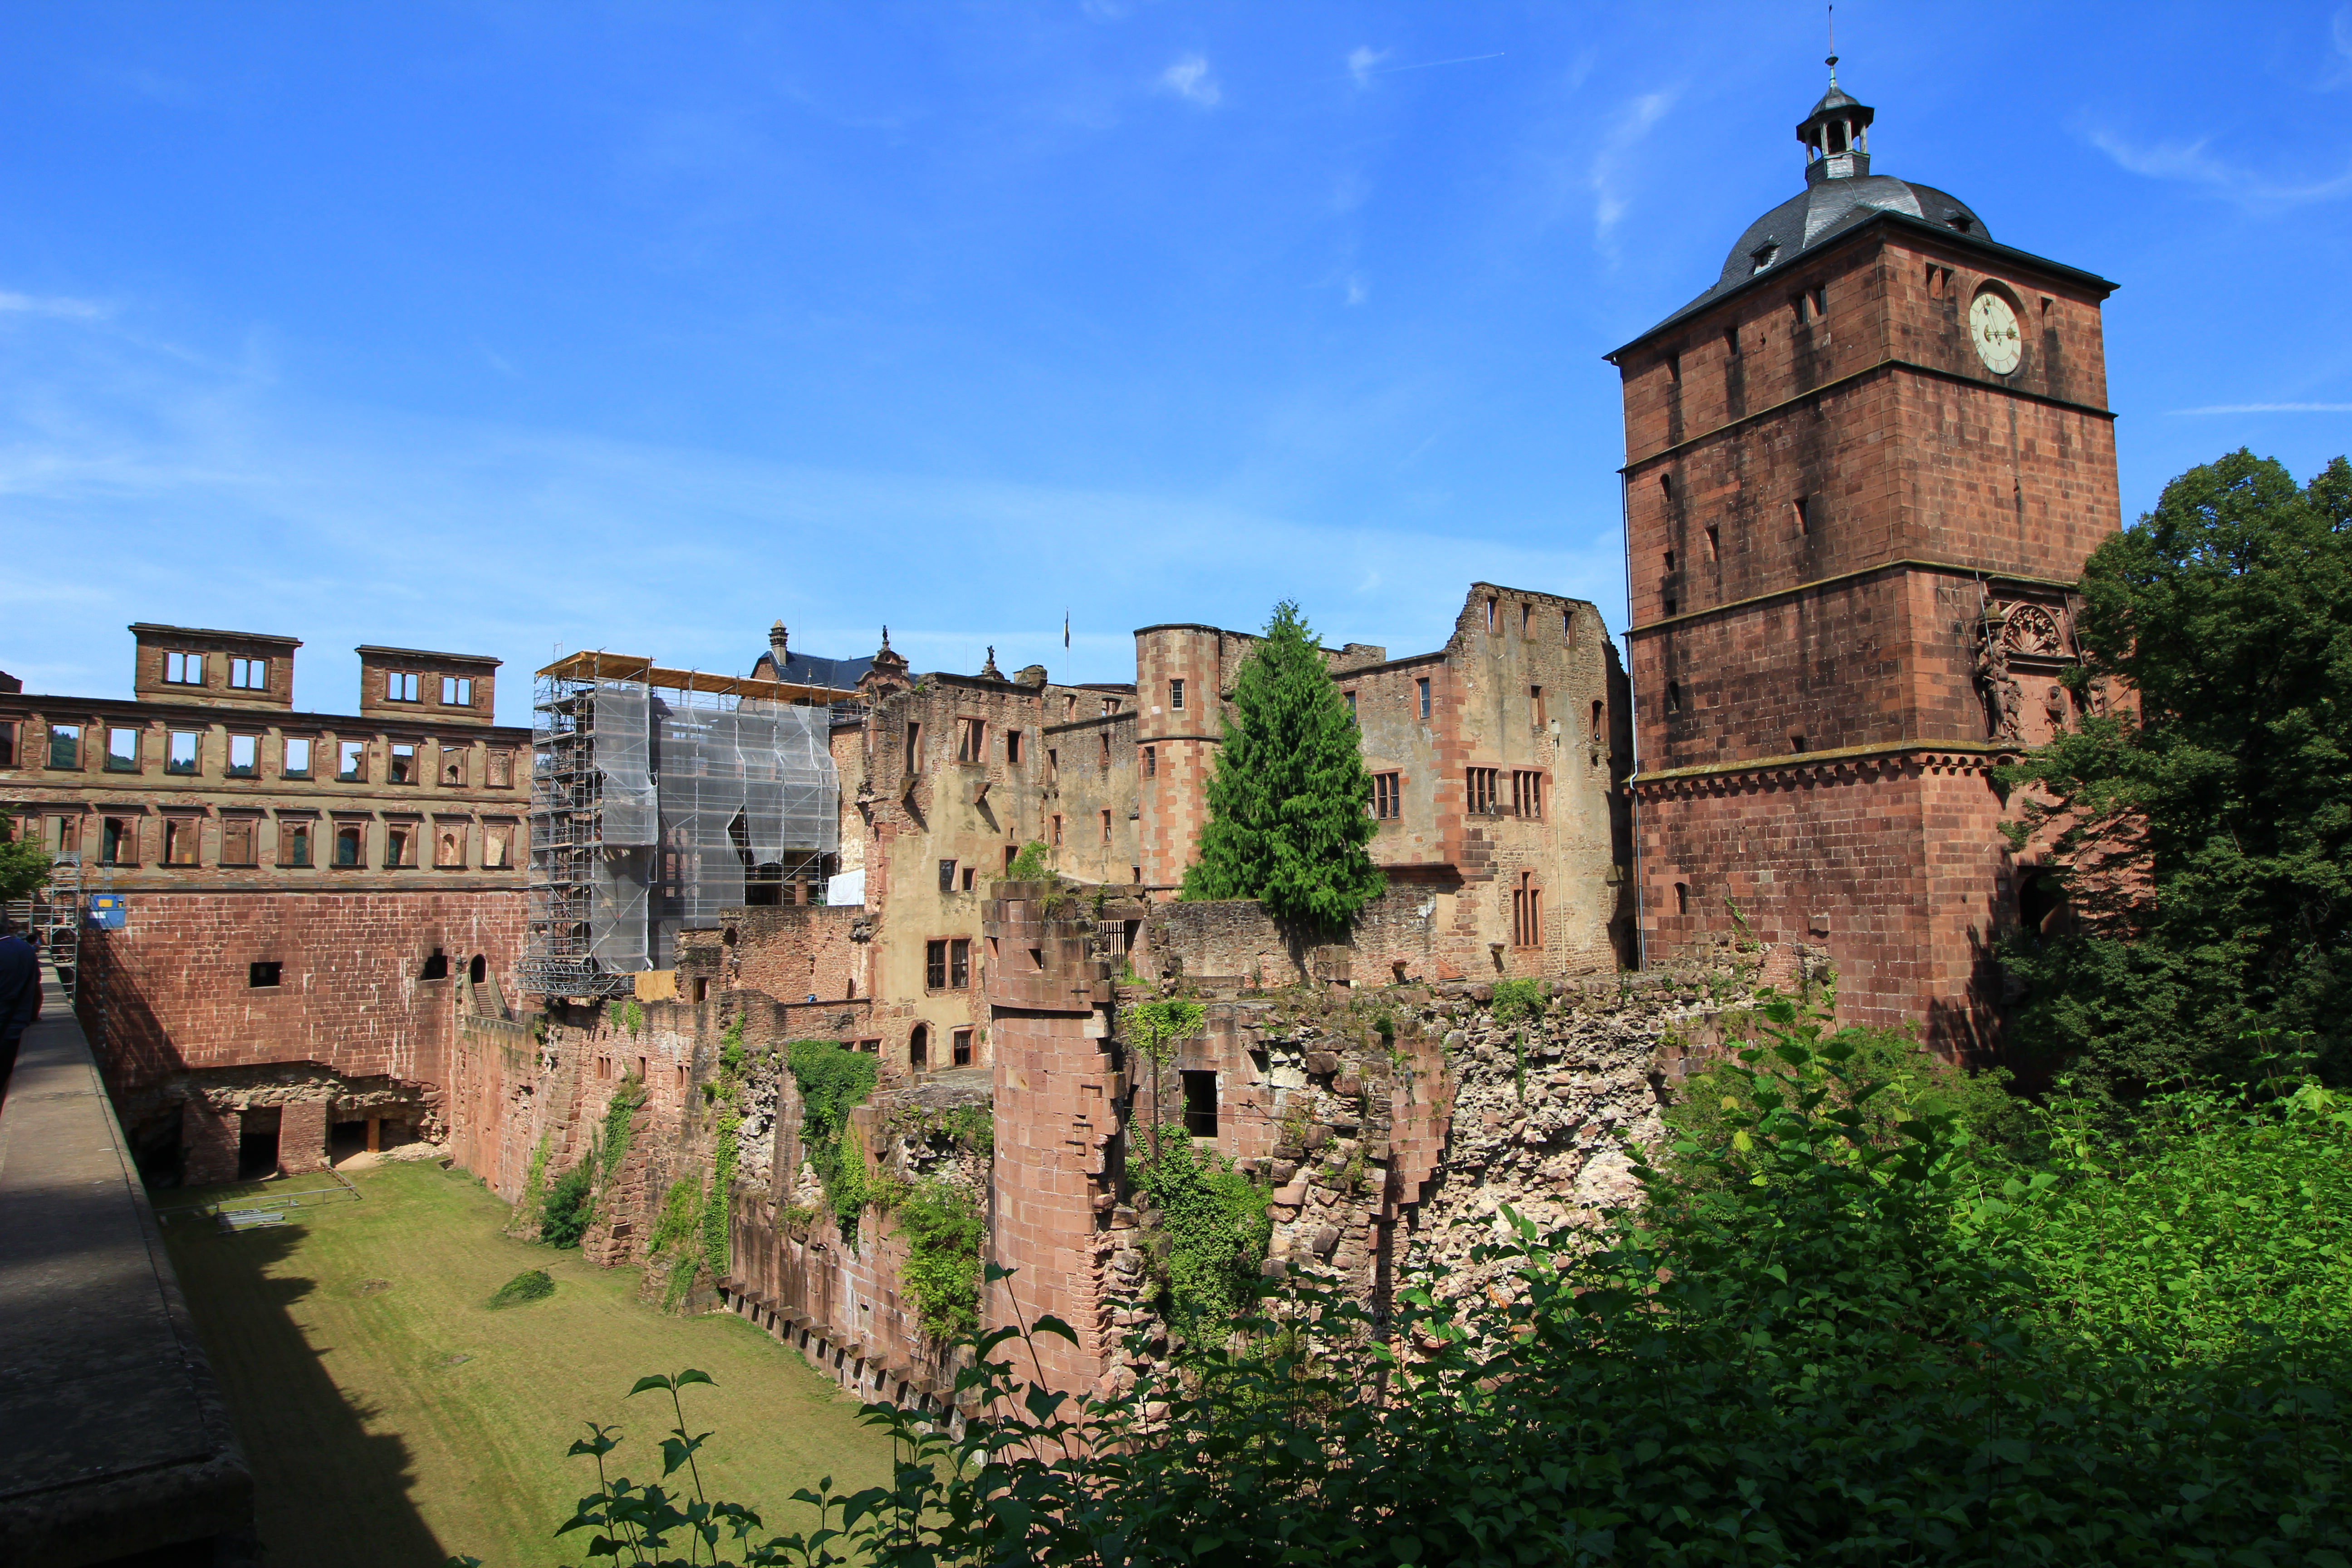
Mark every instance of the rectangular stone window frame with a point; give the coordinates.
(498, 846)
(1421, 687)
(240, 841)
(1013, 748)
(7, 742)
(449, 845)
(184, 752)
(400, 845)
(1176, 696)
(1057, 832)
(294, 848)
(1527, 912)
(971, 740)
(183, 841)
(1200, 1086)
(351, 761)
(184, 669)
(946, 876)
(1526, 793)
(350, 846)
(1388, 797)
(935, 964)
(65, 746)
(122, 748)
(453, 767)
(456, 691)
(1105, 824)
(1479, 791)
(400, 685)
(959, 963)
(248, 674)
(1535, 707)
(400, 764)
(117, 841)
(1151, 754)
(961, 1047)
(499, 765)
(244, 757)
(296, 759)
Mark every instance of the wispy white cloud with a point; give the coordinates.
(34, 305)
(1359, 290)
(1189, 79)
(1364, 63)
(2339, 34)
(2192, 163)
(1361, 61)
(2270, 408)
(1607, 179)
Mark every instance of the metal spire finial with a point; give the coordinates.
(1832, 61)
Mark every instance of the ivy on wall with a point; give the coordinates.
(834, 1080)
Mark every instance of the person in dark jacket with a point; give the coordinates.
(20, 996)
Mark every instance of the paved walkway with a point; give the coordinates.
(113, 1437)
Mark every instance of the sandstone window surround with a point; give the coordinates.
(498, 846)
(971, 740)
(351, 845)
(182, 837)
(961, 1040)
(449, 843)
(117, 841)
(1536, 706)
(1057, 832)
(1527, 912)
(122, 749)
(297, 763)
(971, 874)
(351, 761)
(184, 669)
(1151, 754)
(65, 746)
(1479, 791)
(239, 835)
(64, 836)
(456, 691)
(400, 685)
(918, 1047)
(1388, 797)
(947, 964)
(1175, 697)
(184, 752)
(294, 841)
(1103, 762)
(453, 767)
(7, 742)
(1200, 1102)
(400, 844)
(1421, 687)
(402, 767)
(946, 876)
(500, 768)
(248, 674)
(1526, 793)
(1013, 748)
(1106, 826)
(244, 757)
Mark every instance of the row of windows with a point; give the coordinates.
(1054, 826)
(1800, 524)
(123, 841)
(265, 972)
(918, 1047)
(243, 674)
(1482, 794)
(406, 686)
(184, 752)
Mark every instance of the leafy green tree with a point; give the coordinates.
(24, 865)
(2204, 846)
(1287, 819)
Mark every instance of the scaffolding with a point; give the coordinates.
(660, 798)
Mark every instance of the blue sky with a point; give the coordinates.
(506, 326)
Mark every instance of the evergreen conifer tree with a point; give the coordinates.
(1288, 824)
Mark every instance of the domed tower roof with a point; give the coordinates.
(1840, 191)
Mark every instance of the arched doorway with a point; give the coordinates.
(918, 1047)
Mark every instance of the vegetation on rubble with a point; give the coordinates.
(717, 1252)
(943, 1229)
(619, 1113)
(1029, 866)
(676, 1245)
(531, 1211)
(531, 1285)
(1288, 796)
(570, 1204)
(2204, 843)
(1828, 1334)
(1516, 999)
(834, 1080)
(24, 865)
(1152, 1030)
(1208, 1229)
(632, 1017)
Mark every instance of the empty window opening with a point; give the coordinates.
(437, 966)
(298, 758)
(1665, 490)
(1490, 614)
(1674, 697)
(185, 747)
(1388, 795)
(1962, 222)
(701, 992)
(1103, 761)
(501, 769)
(7, 743)
(1536, 706)
(265, 971)
(1105, 827)
(1674, 605)
(1527, 912)
(1151, 754)
(1036, 958)
(399, 847)
(914, 747)
(63, 835)
(1013, 747)
(236, 841)
(1821, 298)
(294, 844)
(244, 757)
(1731, 341)
(456, 691)
(1670, 560)
(184, 669)
(1480, 791)
(971, 741)
(1762, 257)
(1526, 793)
(1802, 509)
(1597, 714)
(1421, 686)
(498, 847)
(64, 745)
(404, 765)
(2041, 905)
(351, 766)
(1682, 898)
(1674, 367)
(1199, 1103)
(1052, 765)
(453, 766)
(1110, 706)
(1351, 705)
(959, 963)
(1057, 833)
(123, 750)
(1012, 853)
(449, 849)
(479, 970)
(180, 836)
(117, 841)
(970, 878)
(348, 845)
(918, 1047)
(248, 674)
(400, 685)
(1797, 744)
(961, 1047)
(1714, 545)
(935, 964)
(1176, 695)
(946, 876)
(1567, 627)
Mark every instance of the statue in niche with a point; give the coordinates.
(2003, 700)
(2054, 706)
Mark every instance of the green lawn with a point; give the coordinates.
(389, 1419)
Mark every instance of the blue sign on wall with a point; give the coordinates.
(107, 910)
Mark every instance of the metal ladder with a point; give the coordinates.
(58, 914)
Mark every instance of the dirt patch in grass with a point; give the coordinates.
(397, 1426)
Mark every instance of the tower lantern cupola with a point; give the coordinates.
(1836, 135)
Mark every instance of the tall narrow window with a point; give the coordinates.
(184, 669)
(1670, 560)
(1152, 762)
(298, 757)
(1176, 695)
(1682, 898)
(351, 761)
(1057, 832)
(1526, 793)
(449, 848)
(293, 843)
(1200, 1102)
(1674, 697)
(1599, 714)
(971, 874)
(399, 846)
(1714, 545)
(118, 843)
(404, 765)
(1802, 509)
(498, 848)
(946, 876)
(453, 766)
(1527, 912)
(248, 674)
(180, 836)
(182, 751)
(1013, 748)
(1527, 619)
(1052, 765)
(456, 691)
(1490, 614)
(1388, 795)
(914, 748)
(123, 750)
(1674, 367)
(1351, 704)
(236, 841)
(244, 757)
(349, 845)
(1536, 706)
(1423, 687)
(7, 742)
(501, 768)
(1106, 826)
(1731, 341)
(959, 963)
(1105, 762)
(971, 741)
(935, 964)
(960, 1046)
(1480, 796)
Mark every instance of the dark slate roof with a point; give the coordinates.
(1825, 208)
(809, 669)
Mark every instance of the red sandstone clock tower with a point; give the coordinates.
(1863, 472)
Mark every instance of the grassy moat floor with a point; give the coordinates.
(391, 1419)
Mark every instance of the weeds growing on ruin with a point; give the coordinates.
(1209, 1230)
(834, 1080)
(570, 1204)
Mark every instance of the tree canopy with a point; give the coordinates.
(1287, 819)
(2204, 843)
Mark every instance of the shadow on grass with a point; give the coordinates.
(326, 1489)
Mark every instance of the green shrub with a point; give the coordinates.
(619, 1113)
(943, 1229)
(717, 1246)
(1516, 999)
(531, 1285)
(570, 1204)
(1214, 1223)
(1029, 866)
(834, 1080)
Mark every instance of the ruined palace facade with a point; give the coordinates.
(294, 889)
(1863, 473)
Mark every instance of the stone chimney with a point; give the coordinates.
(777, 639)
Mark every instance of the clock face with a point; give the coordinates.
(1992, 327)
